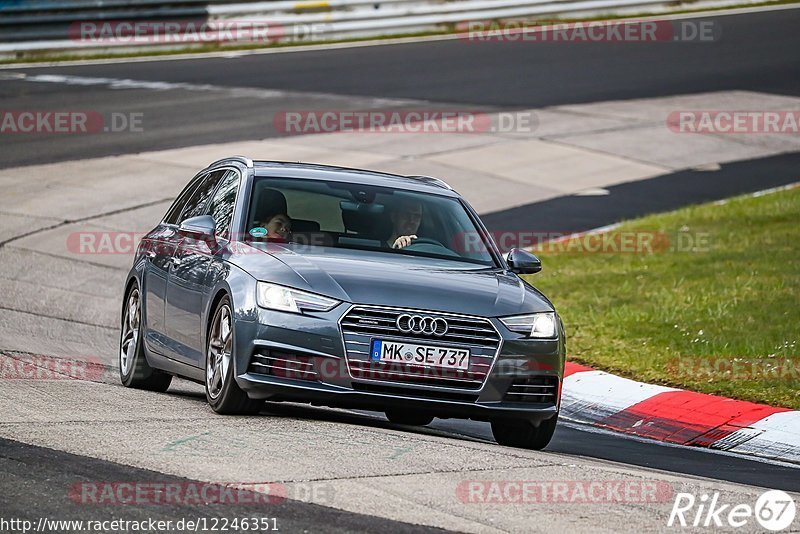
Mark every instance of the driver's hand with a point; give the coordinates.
(403, 241)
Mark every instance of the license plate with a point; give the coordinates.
(425, 355)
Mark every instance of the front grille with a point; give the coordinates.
(537, 389)
(282, 364)
(362, 324)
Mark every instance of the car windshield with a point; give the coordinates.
(319, 213)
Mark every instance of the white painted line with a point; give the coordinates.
(578, 235)
(597, 192)
(707, 167)
(761, 193)
(251, 92)
(610, 227)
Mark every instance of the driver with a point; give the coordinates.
(406, 218)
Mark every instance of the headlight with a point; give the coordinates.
(538, 325)
(282, 298)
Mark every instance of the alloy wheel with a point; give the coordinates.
(130, 332)
(218, 358)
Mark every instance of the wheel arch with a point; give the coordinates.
(220, 294)
(240, 288)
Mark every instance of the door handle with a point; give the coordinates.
(150, 254)
(176, 260)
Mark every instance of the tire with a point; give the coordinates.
(408, 418)
(134, 371)
(523, 434)
(223, 394)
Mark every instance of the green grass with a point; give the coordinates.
(652, 316)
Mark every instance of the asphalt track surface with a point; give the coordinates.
(663, 193)
(756, 52)
(35, 478)
(576, 440)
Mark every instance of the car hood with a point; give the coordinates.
(378, 278)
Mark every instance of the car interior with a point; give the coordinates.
(355, 219)
(360, 223)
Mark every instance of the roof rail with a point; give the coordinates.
(247, 162)
(431, 180)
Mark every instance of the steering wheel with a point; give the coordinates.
(425, 241)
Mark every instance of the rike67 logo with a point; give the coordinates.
(774, 511)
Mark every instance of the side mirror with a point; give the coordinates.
(202, 228)
(523, 262)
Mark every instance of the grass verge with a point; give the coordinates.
(705, 298)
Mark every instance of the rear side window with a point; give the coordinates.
(200, 196)
(174, 214)
(315, 207)
(224, 202)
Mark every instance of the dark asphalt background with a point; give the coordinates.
(755, 51)
(37, 483)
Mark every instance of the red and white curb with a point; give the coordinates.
(676, 416)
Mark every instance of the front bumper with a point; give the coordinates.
(322, 375)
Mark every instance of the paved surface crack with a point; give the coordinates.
(67, 258)
(66, 222)
(13, 214)
(413, 473)
(74, 321)
(610, 129)
(563, 142)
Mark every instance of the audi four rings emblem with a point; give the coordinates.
(422, 324)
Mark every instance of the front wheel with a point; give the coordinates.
(405, 418)
(523, 434)
(222, 392)
(134, 371)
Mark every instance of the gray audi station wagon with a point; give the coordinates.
(292, 282)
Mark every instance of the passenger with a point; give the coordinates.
(279, 227)
(406, 217)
